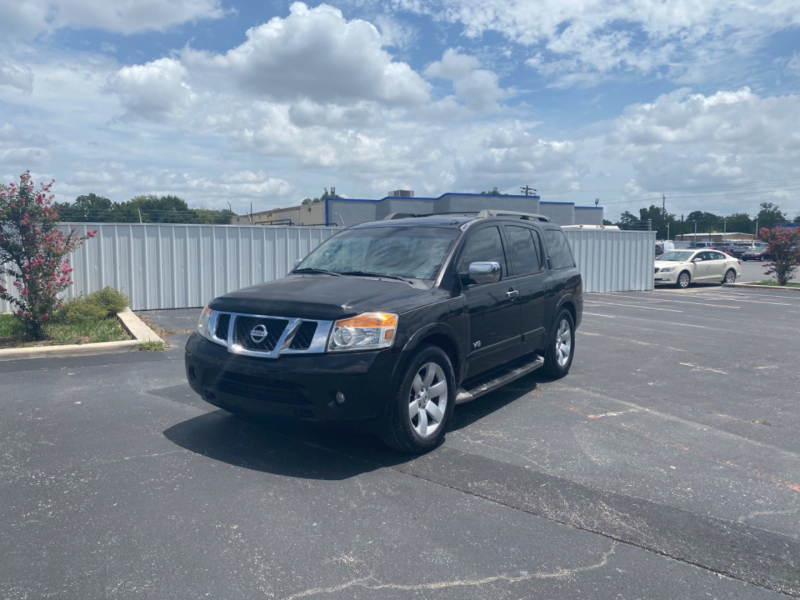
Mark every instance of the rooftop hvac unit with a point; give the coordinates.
(402, 194)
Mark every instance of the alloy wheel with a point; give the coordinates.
(563, 342)
(428, 399)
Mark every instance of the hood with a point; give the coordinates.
(327, 298)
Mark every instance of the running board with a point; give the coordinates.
(484, 388)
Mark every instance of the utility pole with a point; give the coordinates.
(528, 191)
(681, 227)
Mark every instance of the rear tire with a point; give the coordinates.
(561, 347)
(684, 279)
(423, 406)
(730, 276)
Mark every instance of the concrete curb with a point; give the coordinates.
(763, 287)
(133, 325)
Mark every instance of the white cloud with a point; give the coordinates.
(16, 76)
(794, 64)
(313, 53)
(32, 17)
(477, 88)
(154, 90)
(706, 142)
(581, 42)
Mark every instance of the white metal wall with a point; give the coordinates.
(614, 261)
(183, 266)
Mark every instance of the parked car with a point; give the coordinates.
(683, 267)
(701, 245)
(760, 252)
(724, 246)
(665, 246)
(739, 248)
(390, 324)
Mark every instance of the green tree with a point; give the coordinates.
(88, 208)
(628, 220)
(770, 215)
(706, 222)
(494, 192)
(739, 222)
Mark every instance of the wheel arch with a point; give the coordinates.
(443, 336)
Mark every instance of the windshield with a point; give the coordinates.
(676, 256)
(408, 252)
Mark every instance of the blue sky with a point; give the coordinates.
(270, 102)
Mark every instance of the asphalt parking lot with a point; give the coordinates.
(666, 465)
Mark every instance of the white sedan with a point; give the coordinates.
(682, 267)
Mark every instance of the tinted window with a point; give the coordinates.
(560, 253)
(717, 256)
(415, 252)
(524, 249)
(484, 245)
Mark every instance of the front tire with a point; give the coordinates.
(561, 348)
(684, 279)
(730, 276)
(423, 406)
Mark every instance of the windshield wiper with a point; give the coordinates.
(382, 275)
(312, 270)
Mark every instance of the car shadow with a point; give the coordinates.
(309, 450)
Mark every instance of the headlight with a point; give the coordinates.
(202, 324)
(667, 269)
(369, 331)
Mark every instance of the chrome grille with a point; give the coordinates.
(305, 334)
(258, 334)
(268, 336)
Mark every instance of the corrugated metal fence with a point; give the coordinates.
(614, 261)
(182, 266)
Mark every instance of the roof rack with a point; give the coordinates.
(399, 215)
(486, 213)
(508, 213)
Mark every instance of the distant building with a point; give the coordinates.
(716, 236)
(344, 212)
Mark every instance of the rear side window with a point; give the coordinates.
(524, 249)
(560, 252)
(484, 245)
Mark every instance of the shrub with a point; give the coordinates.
(33, 253)
(80, 310)
(783, 245)
(111, 300)
(94, 307)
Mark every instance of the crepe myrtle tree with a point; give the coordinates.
(33, 253)
(784, 245)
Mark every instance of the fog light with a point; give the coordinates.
(340, 398)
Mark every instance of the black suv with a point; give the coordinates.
(392, 323)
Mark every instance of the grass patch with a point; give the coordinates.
(151, 347)
(58, 334)
(774, 283)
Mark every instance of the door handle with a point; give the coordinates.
(511, 294)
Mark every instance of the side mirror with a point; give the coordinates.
(484, 272)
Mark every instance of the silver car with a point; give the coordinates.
(682, 267)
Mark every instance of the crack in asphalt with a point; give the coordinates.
(523, 576)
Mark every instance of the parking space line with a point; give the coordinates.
(595, 303)
(599, 315)
(675, 301)
(699, 368)
(630, 341)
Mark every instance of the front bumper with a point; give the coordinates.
(666, 278)
(300, 386)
